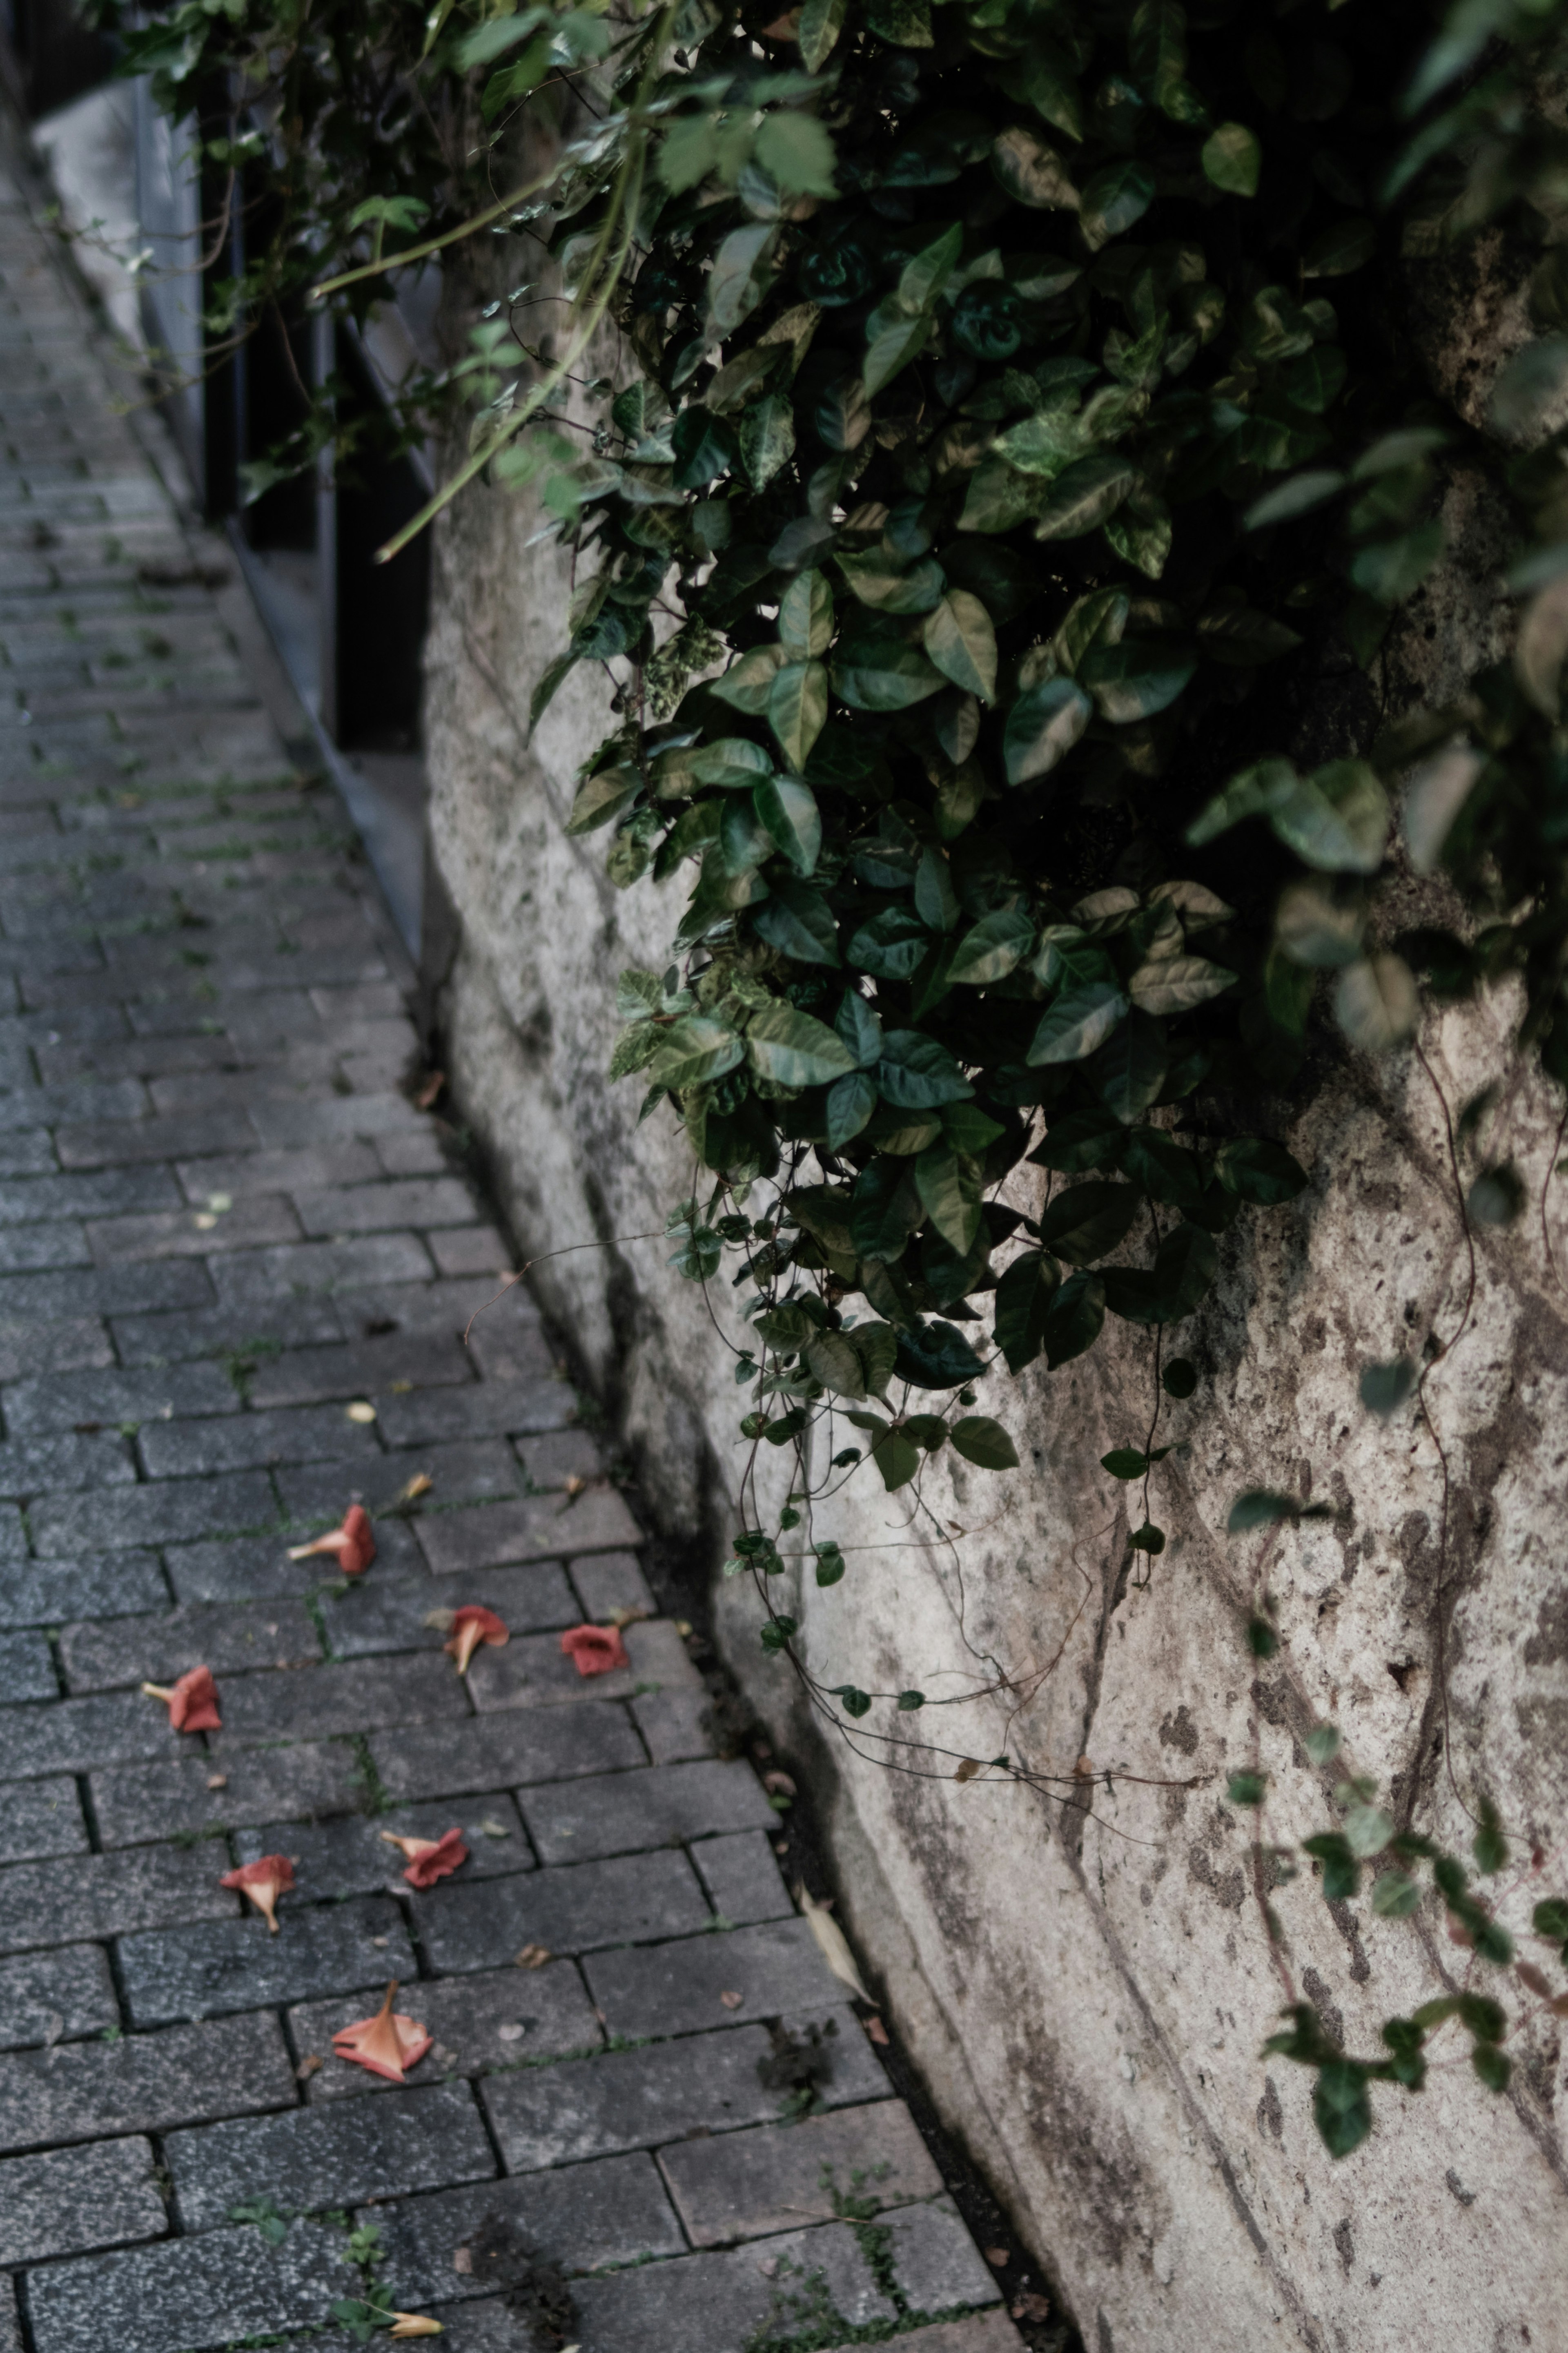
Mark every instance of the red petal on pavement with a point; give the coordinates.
(353, 1542)
(471, 1627)
(595, 1649)
(192, 1702)
(263, 1881)
(386, 2043)
(429, 1859)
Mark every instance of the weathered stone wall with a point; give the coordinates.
(1087, 1987)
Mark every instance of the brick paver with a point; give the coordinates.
(225, 1233)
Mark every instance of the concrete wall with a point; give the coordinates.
(1087, 1987)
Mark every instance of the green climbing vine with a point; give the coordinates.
(1003, 473)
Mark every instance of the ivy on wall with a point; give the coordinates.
(1011, 480)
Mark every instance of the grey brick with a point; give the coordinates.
(360, 1368)
(703, 2084)
(676, 1724)
(609, 1581)
(289, 1125)
(442, 1760)
(69, 2200)
(258, 1280)
(28, 1346)
(225, 2285)
(144, 2083)
(35, 1466)
(179, 1449)
(613, 2212)
(100, 1143)
(171, 1511)
(535, 1672)
(357, 1695)
(44, 1592)
(122, 1099)
(743, 1881)
(447, 1308)
(27, 1250)
(515, 1352)
(109, 1895)
(578, 1821)
(375, 1614)
(227, 1638)
(480, 2328)
(540, 1528)
(508, 2019)
(351, 1856)
(74, 1735)
(331, 2154)
(371, 1209)
(245, 1331)
(27, 1151)
(483, 1409)
(471, 1250)
(417, 1154)
(749, 2184)
(41, 1818)
(45, 1997)
(676, 1988)
(484, 1926)
(175, 1233)
(26, 1668)
(238, 1174)
(722, 2302)
(981, 2332)
(261, 1785)
(936, 2262)
(105, 1290)
(62, 1400)
(552, 1456)
(259, 1567)
(463, 1474)
(217, 1966)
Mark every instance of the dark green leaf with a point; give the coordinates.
(705, 447)
(1032, 172)
(916, 1074)
(1134, 680)
(960, 641)
(1079, 1140)
(1024, 1296)
(1128, 1072)
(983, 1442)
(1259, 1171)
(910, 1700)
(1079, 1020)
(1113, 199)
(1260, 1507)
(1342, 1872)
(850, 1103)
(1125, 1462)
(1075, 1318)
(1042, 727)
(948, 1183)
(1384, 1387)
(936, 1356)
(795, 1049)
(856, 1702)
(798, 921)
(892, 945)
(877, 667)
(1179, 1379)
(693, 1050)
(1081, 498)
(1493, 2066)
(1147, 1538)
(1246, 1788)
(1341, 2108)
(787, 808)
(1087, 1221)
(1231, 159)
(991, 949)
(885, 1210)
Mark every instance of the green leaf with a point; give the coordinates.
(1128, 1072)
(798, 921)
(705, 447)
(1391, 570)
(1322, 1743)
(766, 436)
(550, 680)
(1494, 2067)
(1549, 1920)
(897, 1458)
(1032, 172)
(799, 152)
(878, 580)
(746, 684)
(1375, 1003)
(806, 617)
(1081, 498)
(1024, 1296)
(1116, 196)
(983, 1442)
(892, 945)
(948, 1183)
(1075, 1318)
(732, 762)
(893, 350)
(916, 1074)
(1367, 1830)
(1080, 1140)
(936, 1356)
(695, 1049)
(1180, 1378)
(1078, 1021)
(960, 641)
(1087, 1221)
(794, 1048)
(1349, 245)
(856, 1023)
(1341, 2108)
(877, 667)
(905, 23)
(1232, 159)
(850, 1104)
(601, 797)
(910, 1700)
(1147, 1538)
(821, 23)
(1259, 1171)
(876, 1346)
(1241, 637)
(1134, 680)
(829, 1564)
(1336, 819)
(885, 1210)
(742, 274)
(1177, 984)
(831, 1360)
(775, 1634)
(1042, 726)
(1394, 1896)
(1489, 1846)
(1246, 1788)
(1125, 1462)
(992, 948)
(1299, 495)
(797, 713)
(1342, 1872)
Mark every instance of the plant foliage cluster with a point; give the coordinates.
(1003, 476)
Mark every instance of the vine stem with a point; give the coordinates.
(1545, 1185)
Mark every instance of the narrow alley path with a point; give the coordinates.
(234, 1271)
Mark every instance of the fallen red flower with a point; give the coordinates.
(386, 2043)
(353, 1542)
(192, 1702)
(595, 1649)
(471, 1627)
(429, 1859)
(263, 1881)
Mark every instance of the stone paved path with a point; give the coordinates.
(222, 1229)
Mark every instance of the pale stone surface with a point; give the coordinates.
(1087, 1995)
